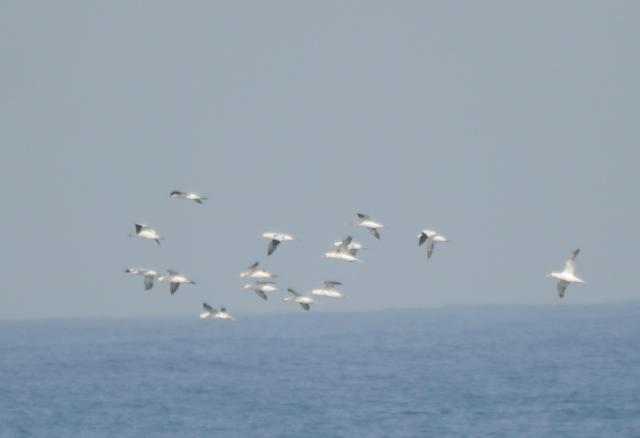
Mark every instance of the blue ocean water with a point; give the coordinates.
(560, 371)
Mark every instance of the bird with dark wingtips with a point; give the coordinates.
(254, 271)
(175, 279)
(146, 232)
(190, 196)
(296, 297)
(210, 312)
(568, 275)
(328, 290)
(431, 237)
(149, 275)
(368, 223)
(261, 288)
(345, 249)
(275, 240)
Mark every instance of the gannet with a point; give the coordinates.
(261, 288)
(146, 232)
(353, 245)
(568, 275)
(344, 251)
(431, 237)
(175, 279)
(254, 271)
(368, 223)
(148, 274)
(299, 298)
(188, 195)
(210, 312)
(276, 239)
(328, 290)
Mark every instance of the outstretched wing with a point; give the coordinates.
(294, 293)
(331, 283)
(344, 244)
(148, 282)
(562, 286)
(375, 233)
(253, 266)
(208, 308)
(272, 246)
(173, 287)
(422, 237)
(305, 306)
(261, 294)
(570, 264)
(362, 216)
(430, 245)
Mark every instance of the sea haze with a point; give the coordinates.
(562, 371)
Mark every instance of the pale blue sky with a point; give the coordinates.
(510, 126)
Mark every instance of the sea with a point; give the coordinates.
(469, 371)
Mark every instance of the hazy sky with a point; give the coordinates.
(510, 126)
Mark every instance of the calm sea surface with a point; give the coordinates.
(494, 371)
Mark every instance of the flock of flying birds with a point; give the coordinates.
(345, 249)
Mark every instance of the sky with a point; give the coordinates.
(512, 127)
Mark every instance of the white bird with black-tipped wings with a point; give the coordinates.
(328, 290)
(146, 232)
(296, 297)
(431, 237)
(568, 275)
(175, 279)
(254, 271)
(344, 249)
(190, 196)
(368, 223)
(261, 288)
(210, 312)
(149, 275)
(275, 240)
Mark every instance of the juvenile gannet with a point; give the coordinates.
(254, 271)
(344, 251)
(188, 195)
(299, 298)
(568, 275)
(175, 279)
(368, 223)
(210, 312)
(276, 239)
(329, 290)
(261, 288)
(431, 237)
(146, 232)
(148, 274)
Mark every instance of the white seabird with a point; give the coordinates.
(368, 223)
(276, 239)
(191, 196)
(431, 237)
(210, 312)
(261, 288)
(568, 275)
(254, 271)
(353, 245)
(328, 290)
(344, 251)
(148, 274)
(175, 279)
(297, 297)
(146, 232)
